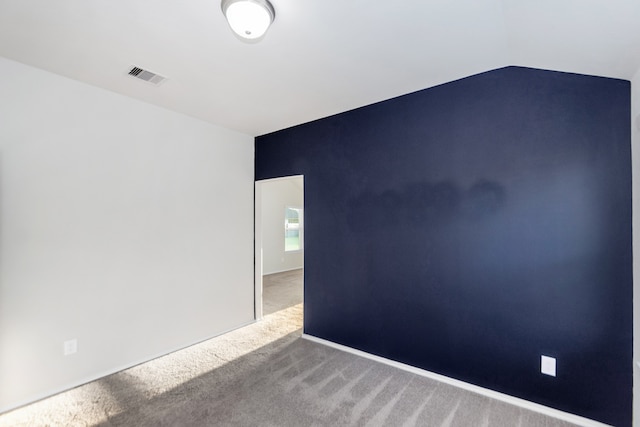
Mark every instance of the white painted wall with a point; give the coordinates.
(276, 196)
(123, 225)
(635, 161)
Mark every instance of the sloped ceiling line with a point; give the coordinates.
(315, 61)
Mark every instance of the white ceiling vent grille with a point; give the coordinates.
(146, 75)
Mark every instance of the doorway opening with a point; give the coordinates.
(279, 246)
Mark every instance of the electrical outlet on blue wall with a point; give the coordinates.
(548, 365)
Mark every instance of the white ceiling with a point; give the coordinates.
(320, 57)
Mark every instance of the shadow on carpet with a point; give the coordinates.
(296, 382)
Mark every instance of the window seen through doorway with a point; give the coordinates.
(293, 229)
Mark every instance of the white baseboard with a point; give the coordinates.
(545, 410)
(283, 271)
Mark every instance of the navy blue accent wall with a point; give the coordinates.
(469, 228)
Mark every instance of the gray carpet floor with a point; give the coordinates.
(265, 374)
(281, 290)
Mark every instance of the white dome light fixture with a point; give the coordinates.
(249, 19)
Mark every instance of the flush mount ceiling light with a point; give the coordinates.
(249, 19)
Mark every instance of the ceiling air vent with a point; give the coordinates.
(145, 75)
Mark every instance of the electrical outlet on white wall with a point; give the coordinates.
(548, 365)
(70, 347)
